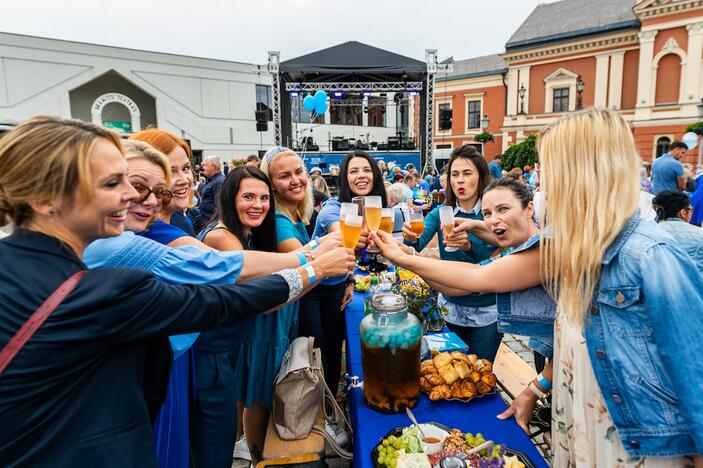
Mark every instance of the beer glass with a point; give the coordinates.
(372, 215)
(351, 230)
(347, 208)
(446, 220)
(387, 220)
(417, 221)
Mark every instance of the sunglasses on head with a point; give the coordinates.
(160, 193)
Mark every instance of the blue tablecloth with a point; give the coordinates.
(477, 416)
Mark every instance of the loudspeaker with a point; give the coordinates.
(261, 115)
(262, 126)
(445, 119)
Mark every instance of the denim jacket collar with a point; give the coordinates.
(625, 233)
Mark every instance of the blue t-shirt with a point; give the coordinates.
(163, 233)
(423, 185)
(328, 215)
(495, 170)
(287, 229)
(665, 171)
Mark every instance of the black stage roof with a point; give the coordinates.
(352, 61)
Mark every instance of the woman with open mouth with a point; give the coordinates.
(472, 317)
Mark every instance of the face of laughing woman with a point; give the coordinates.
(289, 179)
(360, 177)
(504, 215)
(182, 181)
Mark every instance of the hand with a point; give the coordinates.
(390, 246)
(407, 232)
(459, 237)
(328, 242)
(465, 225)
(522, 408)
(336, 262)
(363, 240)
(348, 295)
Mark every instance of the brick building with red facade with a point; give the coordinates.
(643, 58)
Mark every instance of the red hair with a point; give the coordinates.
(162, 140)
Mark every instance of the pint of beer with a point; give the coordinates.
(347, 208)
(387, 220)
(446, 219)
(351, 230)
(372, 212)
(417, 221)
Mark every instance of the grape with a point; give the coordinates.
(380, 460)
(385, 442)
(394, 463)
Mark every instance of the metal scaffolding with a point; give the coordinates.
(274, 61)
(432, 69)
(378, 87)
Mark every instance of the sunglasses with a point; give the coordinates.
(161, 194)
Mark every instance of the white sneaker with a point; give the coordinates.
(337, 432)
(241, 449)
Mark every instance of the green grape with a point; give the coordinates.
(396, 454)
(385, 442)
(470, 440)
(484, 452)
(479, 435)
(380, 460)
(394, 463)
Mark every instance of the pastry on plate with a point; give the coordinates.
(448, 374)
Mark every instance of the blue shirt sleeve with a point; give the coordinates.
(163, 233)
(328, 215)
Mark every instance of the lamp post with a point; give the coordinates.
(484, 122)
(579, 93)
(700, 138)
(522, 93)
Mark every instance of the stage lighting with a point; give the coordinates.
(412, 92)
(338, 94)
(294, 94)
(366, 93)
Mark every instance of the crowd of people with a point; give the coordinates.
(186, 296)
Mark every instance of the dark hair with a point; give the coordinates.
(398, 178)
(484, 176)
(262, 237)
(678, 144)
(520, 191)
(498, 156)
(317, 197)
(253, 157)
(669, 202)
(379, 189)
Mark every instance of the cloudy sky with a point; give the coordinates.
(245, 30)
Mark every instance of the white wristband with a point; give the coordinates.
(311, 273)
(540, 394)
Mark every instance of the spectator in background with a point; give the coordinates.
(396, 197)
(315, 173)
(645, 184)
(674, 212)
(317, 199)
(320, 184)
(210, 192)
(253, 160)
(410, 168)
(667, 171)
(443, 182)
(430, 176)
(495, 168)
(690, 178)
(421, 183)
(225, 168)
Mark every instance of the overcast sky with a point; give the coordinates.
(245, 30)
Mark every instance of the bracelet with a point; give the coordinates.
(308, 255)
(540, 394)
(315, 243)
(311, 273)
(302, 258)
(544, 383)
(294, 280)
(350, 280)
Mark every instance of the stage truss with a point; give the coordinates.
(428, 85)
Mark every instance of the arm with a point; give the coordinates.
(188, 240)
(681, 182)
(510, 273)
(524, 404)
(475, 227)
(669, 308)
(431, 226)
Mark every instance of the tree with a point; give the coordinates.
(695, 128)
(521, 154)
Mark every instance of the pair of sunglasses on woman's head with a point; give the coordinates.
(160, 193)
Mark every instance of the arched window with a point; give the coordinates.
(668, 79)
(662, 145)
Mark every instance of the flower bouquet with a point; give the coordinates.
(421, 299)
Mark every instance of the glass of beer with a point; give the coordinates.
(387, 220)
(446, 219)
(372, 216)
(347, 208)
(417, 221)
(351, 230)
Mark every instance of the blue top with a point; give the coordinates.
(328, 215)
(480, 251)
(163, 233)
(689, 237)
(495, 170)
(423, 185)
(665, 171)
(184, 223)
(697, 202)
(286, 229)
(183, 265)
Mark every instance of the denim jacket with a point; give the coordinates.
(688, 236)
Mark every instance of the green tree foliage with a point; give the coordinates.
(521, 154)
(695, 128)
(485, 137)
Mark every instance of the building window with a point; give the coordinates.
(662, 145)
(443, 146)
(377, 112)
(474, 114)
(299, 114)
(444, 110)
(346, 111)
(561, 100)
(263, 99)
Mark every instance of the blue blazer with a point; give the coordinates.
(73, 395)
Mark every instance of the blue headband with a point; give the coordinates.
(274, 151)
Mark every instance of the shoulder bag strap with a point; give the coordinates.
(36, 320)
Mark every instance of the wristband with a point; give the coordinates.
(540, 394)
(301, 258)
(311, 273)
(544, 383)
(315, 243)
(350, 280)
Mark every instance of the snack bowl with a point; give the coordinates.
(434, 438)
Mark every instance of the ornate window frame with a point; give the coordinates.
(560, 78)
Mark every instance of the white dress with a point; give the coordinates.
(583, 434)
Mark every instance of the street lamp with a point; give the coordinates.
(484, 122)
(522, 92)
(579, 93)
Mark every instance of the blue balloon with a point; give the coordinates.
(320, 98)
(309, 103)
(320, 110)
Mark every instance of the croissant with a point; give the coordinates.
(455, 388)
(433, 353)
(461, 368)
(486, 365)
(482, 388)
(472, 359)
(434, 379)
(489, 379)
(441, 360)
(440, 392)
(448, 374)
(425, 386)
(460, 357)
(468, 389)
(475, 376)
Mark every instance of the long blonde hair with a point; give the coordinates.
(46, 157)
(304, 208)
(590, 180)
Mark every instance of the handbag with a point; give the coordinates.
(299, 391)
(27, 330)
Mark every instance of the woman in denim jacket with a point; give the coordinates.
(674, 212)
(627, 336)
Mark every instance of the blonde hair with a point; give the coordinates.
(46, 158)
(591, 187)
(141, 150)
(304, 208)
(396, 192)
(320, 185)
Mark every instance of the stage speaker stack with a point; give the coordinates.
(262, 124)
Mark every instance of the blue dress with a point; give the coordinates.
(263, 340)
